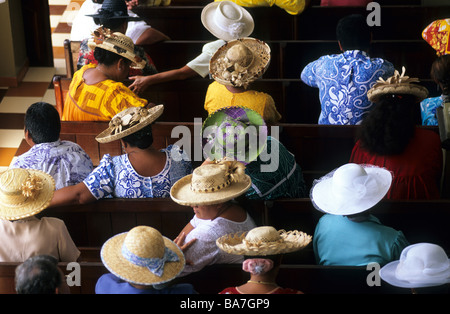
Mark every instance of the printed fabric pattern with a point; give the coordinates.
(65, 161)
(343, 81)
(116, 177)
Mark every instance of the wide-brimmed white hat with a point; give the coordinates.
(24, 193)
(210, 184)
(350, 189)
(117, 43)
(226, 20)
(263, 241)
(420, 265)
(142, 256)
(128, 122)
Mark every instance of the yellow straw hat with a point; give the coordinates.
(128, 122)
(24, 193)
(211, 184)
(117, 43)
(263, 241)
(142, 256)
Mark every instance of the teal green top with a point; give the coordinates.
(339, 241)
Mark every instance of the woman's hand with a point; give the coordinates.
(140, 83)
(184, 246)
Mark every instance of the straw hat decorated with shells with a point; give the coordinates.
(398, 84)
(128, 122)
(263, 241)
(240, 62)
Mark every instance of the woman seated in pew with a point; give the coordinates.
(210, 190)
(24, 193)
(272, 168)
(142, 261)
(440, 73)
(114, 16)
(347, 234)
(226, 21)
(65, 161)
(234, 67)
(96, 92)
(142, 172)
(263, 249)
(390, 138)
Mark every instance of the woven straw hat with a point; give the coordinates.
(226, 20)
(142, 256)
(224, 133)
(128, 122)
(350, 189)
(211, 184)
(398, 84)
(117, 43)
(240, 62)
(24, 193)
(263, 241)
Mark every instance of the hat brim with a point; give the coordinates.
(291, 241)
(417, 91)
(324, 200)
(106, 136)
(182, 194)
(31, 206)
(387, 273)
(115, 17)
(127, 54)
(245, 115)
(262, 56)
(207, 18)
(112, 258)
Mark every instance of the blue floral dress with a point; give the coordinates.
(428, 108)
(116, 177)
(343, 81)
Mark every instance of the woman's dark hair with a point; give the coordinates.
(389, 126)
(141, 139)
(43, 123)
(440, 73)
(353, 32)
(107, 57)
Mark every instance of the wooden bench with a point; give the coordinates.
(419, 220)
(90, 225)
(310, 279)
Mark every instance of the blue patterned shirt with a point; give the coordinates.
(343, 81)
(116, 177)
(428, 108)
(65, 161)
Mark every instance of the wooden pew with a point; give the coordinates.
(419, 220)
(310, 279)
(90, 225)
(397, 21)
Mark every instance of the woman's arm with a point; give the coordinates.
(72, 195)
(141, 83)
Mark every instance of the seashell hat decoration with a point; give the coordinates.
(240, 62)
(398, 84)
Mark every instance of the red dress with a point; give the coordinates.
(416, 172)
(278, 290)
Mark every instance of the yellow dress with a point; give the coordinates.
(293, 7)
(97, 102)
(218, 97)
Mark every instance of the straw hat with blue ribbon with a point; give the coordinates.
(142, 256)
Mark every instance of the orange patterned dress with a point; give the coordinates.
(97, 102)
